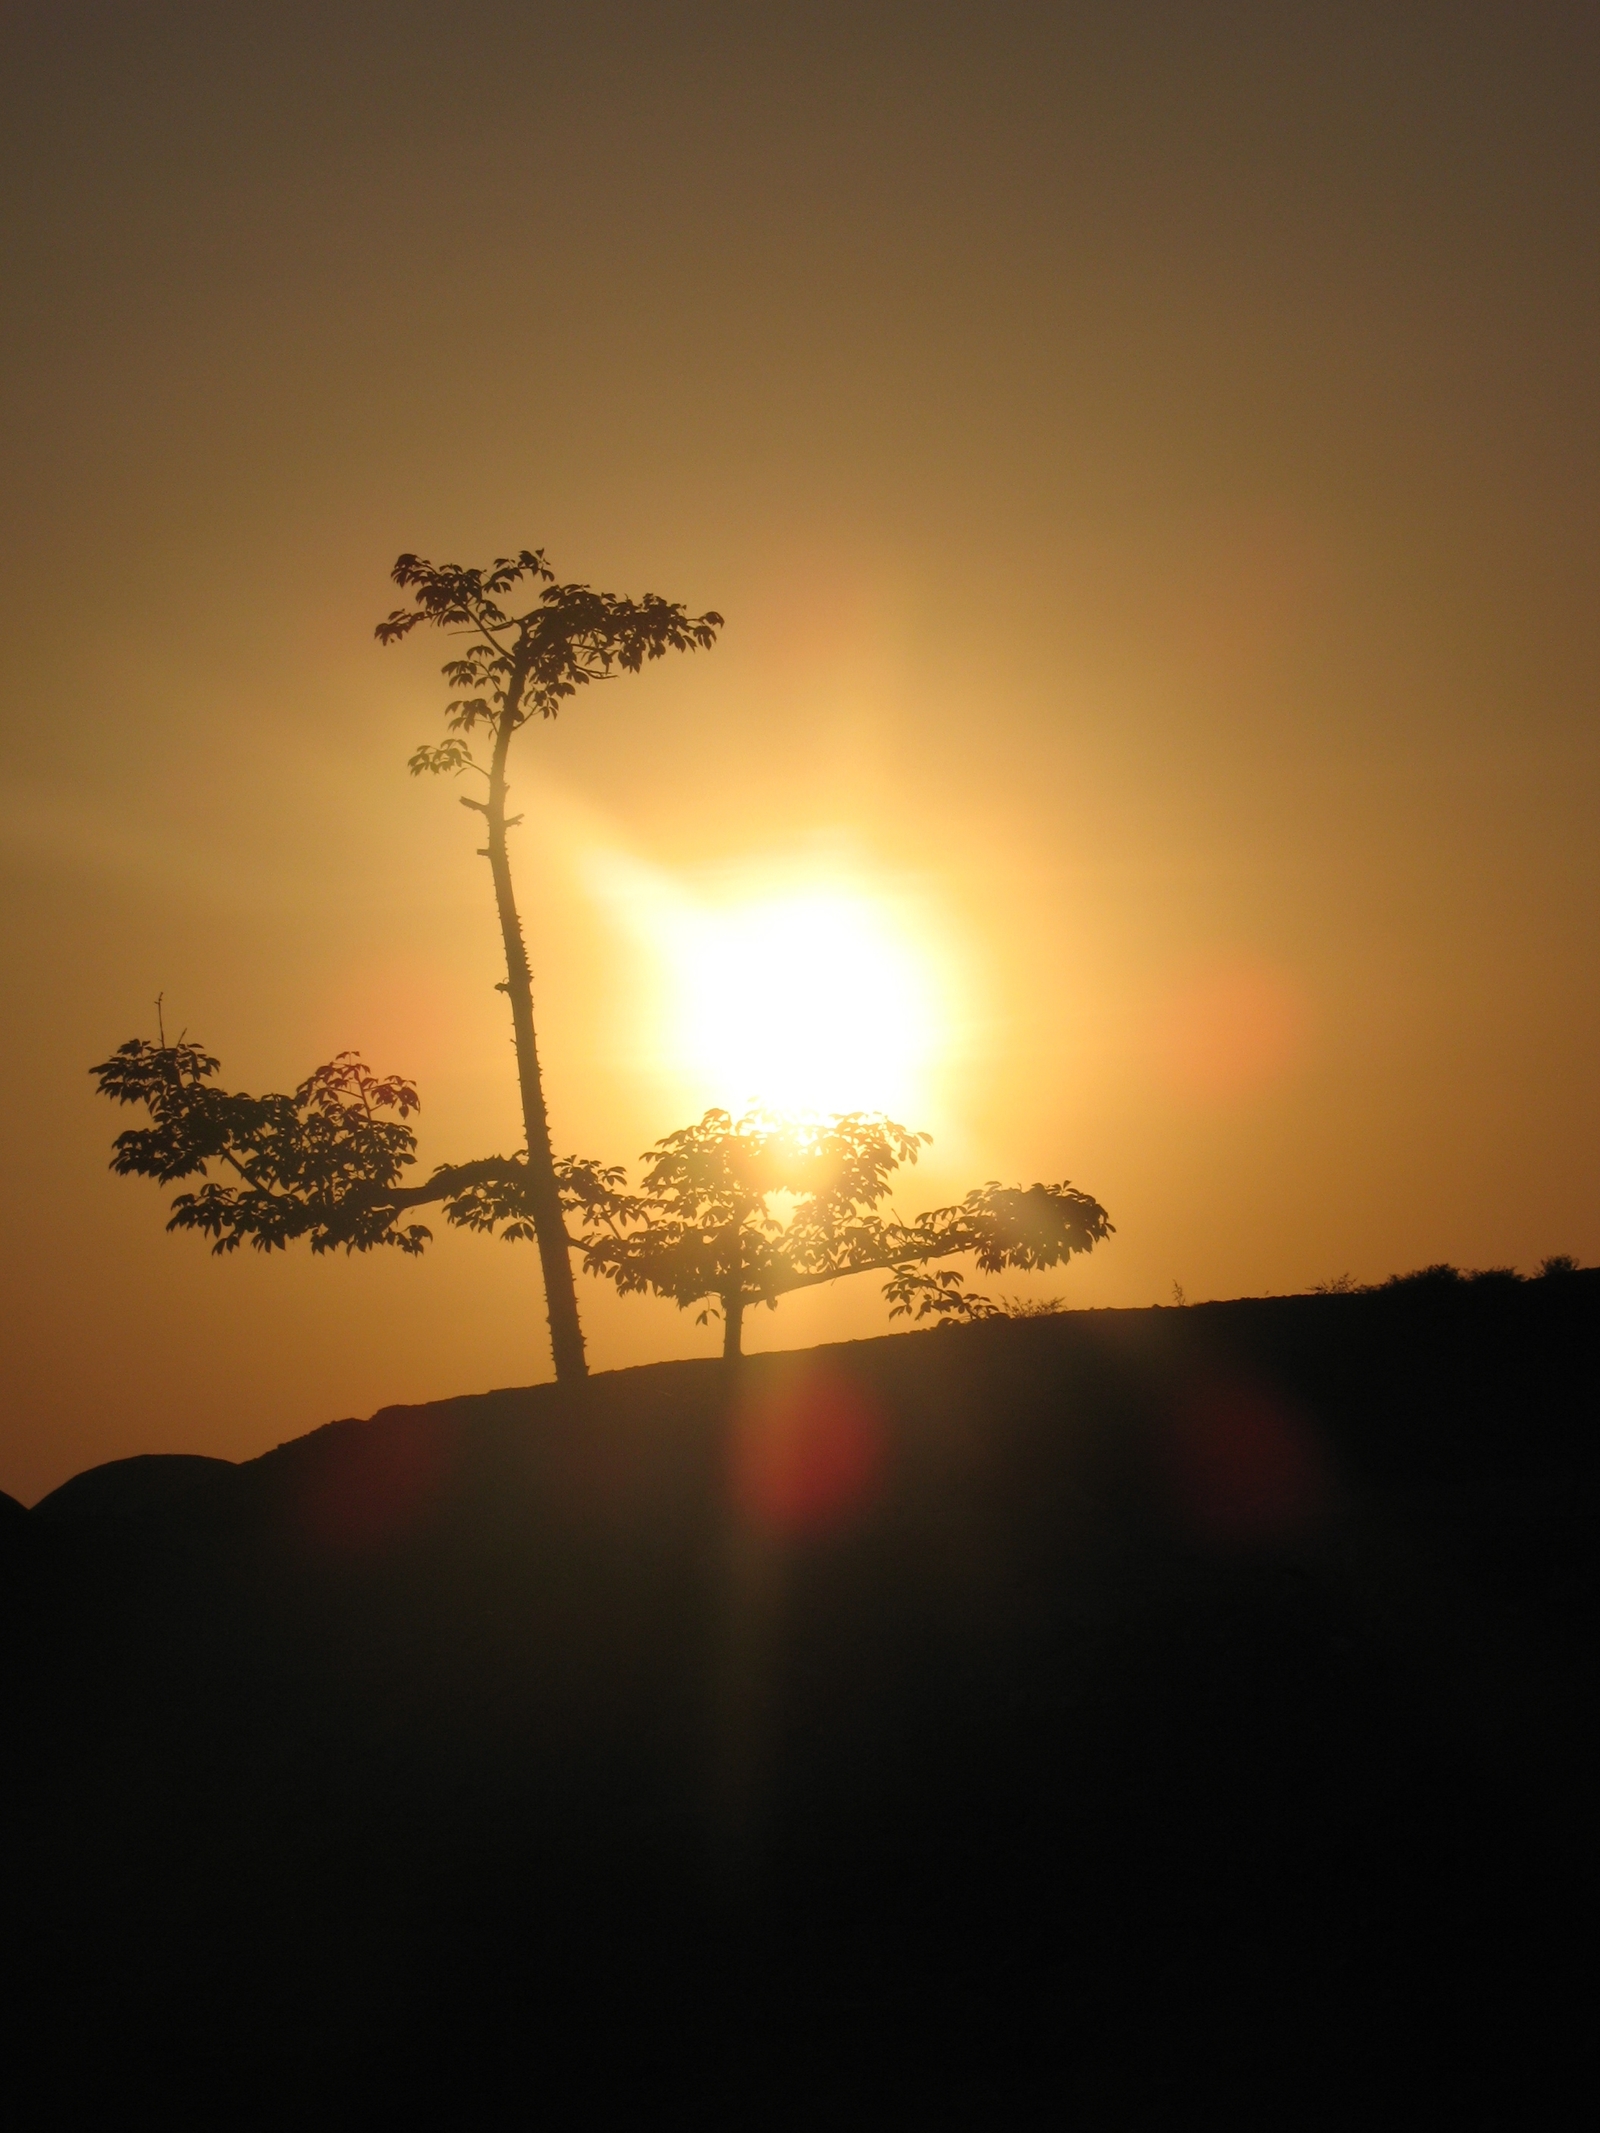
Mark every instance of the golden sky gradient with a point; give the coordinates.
(1147, 459)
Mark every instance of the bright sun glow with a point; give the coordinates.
(824, 987)
(805, 1001)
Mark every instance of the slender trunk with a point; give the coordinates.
(732, 1324)
(549, 1226)
(733, 1291)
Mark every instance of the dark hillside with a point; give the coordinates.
(1104, 1711)
(127, 1488)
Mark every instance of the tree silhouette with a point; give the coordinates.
(703, 1228)
(324, 1163)
(327, 1164)
(519, 664)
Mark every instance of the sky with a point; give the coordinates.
(1146, 456)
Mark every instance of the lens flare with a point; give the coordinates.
(808, 1452)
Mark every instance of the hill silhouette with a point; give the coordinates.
(1100, 1712)
(126, 1488)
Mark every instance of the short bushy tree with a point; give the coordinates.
(733, 1213)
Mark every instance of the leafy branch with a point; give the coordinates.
(324, 1163)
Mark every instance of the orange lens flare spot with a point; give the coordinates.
(1242, 1466)
(1232, 1031)
(808, 1453)
(372, 1481)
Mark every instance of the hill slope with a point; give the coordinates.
(123, 1488)
(1080, 1711)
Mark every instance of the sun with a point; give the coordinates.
(807, 988)
(811, 999)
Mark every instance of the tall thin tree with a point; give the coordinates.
(519, 664)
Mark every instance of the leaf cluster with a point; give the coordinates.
(1005, 1229)
(526, 660)
(324, 1163)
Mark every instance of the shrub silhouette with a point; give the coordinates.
(1442, 1275)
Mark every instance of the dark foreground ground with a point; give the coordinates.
(1083, 1720)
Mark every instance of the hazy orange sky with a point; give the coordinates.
(1146, 456)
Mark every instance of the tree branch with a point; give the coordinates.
(446, 1182)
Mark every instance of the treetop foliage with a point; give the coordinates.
(528, 660)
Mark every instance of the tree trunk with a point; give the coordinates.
(732, 1324)
(549, 1225)
(732, 1256)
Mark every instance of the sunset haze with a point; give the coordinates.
(1148, 459)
